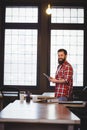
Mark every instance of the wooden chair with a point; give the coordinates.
(9, 94)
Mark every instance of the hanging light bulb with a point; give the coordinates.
(48, 10)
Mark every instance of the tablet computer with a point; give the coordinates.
(46, 76)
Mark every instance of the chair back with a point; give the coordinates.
(9, 94)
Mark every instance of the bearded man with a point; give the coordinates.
(63, 78)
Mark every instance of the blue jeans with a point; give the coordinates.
(62, 98)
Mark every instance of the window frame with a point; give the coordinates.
(24, 26)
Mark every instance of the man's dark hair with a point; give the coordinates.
(62, 50)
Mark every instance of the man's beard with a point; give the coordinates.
(61, 61)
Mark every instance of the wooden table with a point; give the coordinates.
(37, 116)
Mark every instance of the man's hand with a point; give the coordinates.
(53, 80)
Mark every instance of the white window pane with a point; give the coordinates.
(18, 62)
(80, 13)
(74, 49)
(74, 13)
(80, 69)
(80, 20)
(74, 20)
(67, 13)
(66, 20)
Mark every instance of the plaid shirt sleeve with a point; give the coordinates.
(68, 72)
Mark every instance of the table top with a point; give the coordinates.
(38, 113)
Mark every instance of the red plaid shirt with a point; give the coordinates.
(64, 72)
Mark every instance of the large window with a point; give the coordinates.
(70, 39)
(20, 55)
(20, 64)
